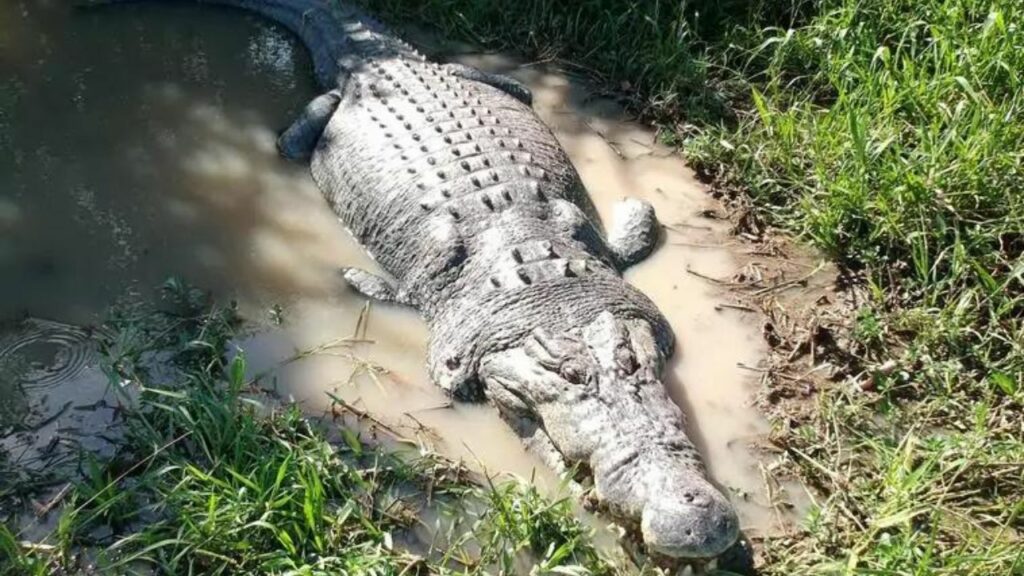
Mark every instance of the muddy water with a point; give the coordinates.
(137, 142)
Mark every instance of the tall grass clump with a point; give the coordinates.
(889, 134)
(214, 476)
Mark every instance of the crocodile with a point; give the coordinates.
(468, 203)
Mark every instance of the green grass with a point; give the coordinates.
(215, 477)
(888, 134)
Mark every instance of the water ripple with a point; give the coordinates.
(52, 352)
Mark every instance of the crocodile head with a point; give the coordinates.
(596, 393)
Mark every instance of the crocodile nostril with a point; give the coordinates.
(694, 524)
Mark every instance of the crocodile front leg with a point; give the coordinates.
(634, 232)
(373, 286)
(632, 236)
(517, 414)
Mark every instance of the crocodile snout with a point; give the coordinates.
(663, 489)
(696, 522)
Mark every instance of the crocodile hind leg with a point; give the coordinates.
(506, 84)
(299, 140)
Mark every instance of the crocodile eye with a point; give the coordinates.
(573, 371)
(625, 359)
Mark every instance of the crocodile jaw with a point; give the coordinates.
(596, 393)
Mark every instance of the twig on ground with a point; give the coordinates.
(718, 281)
(44, 509)
(790, 283)
(742, 308)
(614, 147)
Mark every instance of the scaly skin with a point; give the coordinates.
(466, 199)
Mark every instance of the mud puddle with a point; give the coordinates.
(138, 143)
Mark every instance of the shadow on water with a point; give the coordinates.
(104, 113)
(141, 144)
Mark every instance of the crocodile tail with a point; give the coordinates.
(338, 35)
